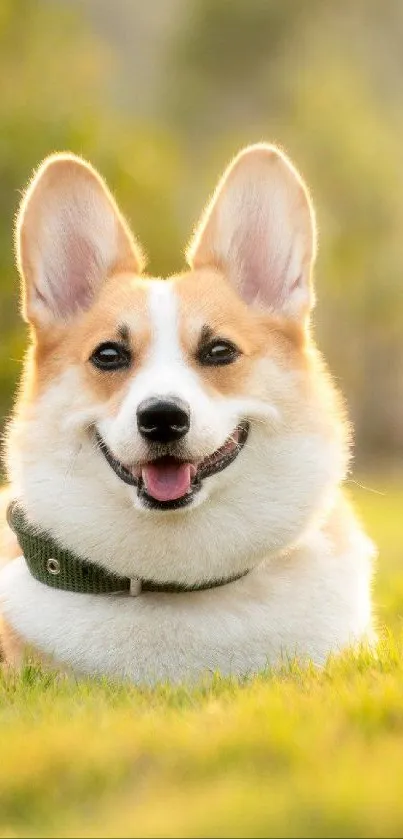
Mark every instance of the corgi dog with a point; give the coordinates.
(177, 451)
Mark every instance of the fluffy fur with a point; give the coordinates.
(278, 510)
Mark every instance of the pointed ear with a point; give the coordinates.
(70, 236)
(259, 229)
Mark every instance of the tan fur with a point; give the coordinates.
(122, 301)
(11, 647)
(9, 547)
(206, 298)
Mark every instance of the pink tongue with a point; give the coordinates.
(167, 481)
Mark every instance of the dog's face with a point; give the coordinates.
(175, 429)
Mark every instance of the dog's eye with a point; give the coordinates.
(111, 356)
(218, 352)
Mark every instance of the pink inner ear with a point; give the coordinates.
(250, 257)
(263, 267)
(69, 285)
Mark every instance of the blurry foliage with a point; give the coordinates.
(319, 78)
(225, 59)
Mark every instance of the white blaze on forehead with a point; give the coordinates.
(165, 371)
(164, 316)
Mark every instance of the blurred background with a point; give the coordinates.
(159, 95)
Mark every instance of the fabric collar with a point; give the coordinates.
(60, 568)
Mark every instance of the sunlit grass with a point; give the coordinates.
(304, 753)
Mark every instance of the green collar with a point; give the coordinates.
(58, 567)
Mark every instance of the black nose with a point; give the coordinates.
(163, 420)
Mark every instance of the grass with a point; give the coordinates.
(304, 753)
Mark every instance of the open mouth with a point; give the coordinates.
(167, 482)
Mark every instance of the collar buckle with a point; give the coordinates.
(135, 587)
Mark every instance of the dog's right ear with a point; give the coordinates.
(70, 236)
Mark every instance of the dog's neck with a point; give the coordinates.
(240, 519)
(55, 566)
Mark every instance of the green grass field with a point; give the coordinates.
(299, 754)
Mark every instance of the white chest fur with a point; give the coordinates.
(308, 604)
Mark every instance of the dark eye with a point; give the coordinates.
(218, 352)
(111, 356)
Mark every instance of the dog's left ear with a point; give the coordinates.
(259, 229)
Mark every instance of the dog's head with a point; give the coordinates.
(184, 428)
